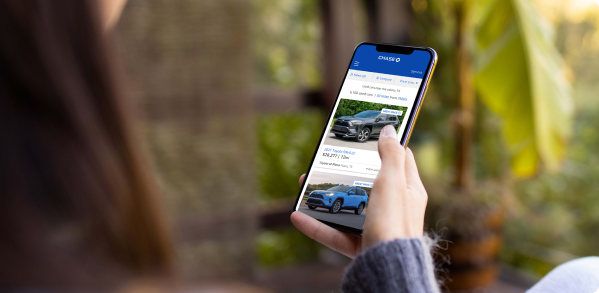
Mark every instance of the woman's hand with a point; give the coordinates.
(395, 208)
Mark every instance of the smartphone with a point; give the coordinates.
(384, 85)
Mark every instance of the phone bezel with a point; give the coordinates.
(409, 124)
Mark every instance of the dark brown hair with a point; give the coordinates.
(77, 205)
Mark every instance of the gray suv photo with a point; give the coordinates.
(363, 125)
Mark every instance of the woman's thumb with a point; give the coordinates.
(392, 154)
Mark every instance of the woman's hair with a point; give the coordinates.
(77, 205)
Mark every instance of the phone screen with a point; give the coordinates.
(384, 85)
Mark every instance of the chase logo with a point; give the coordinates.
(392, 59)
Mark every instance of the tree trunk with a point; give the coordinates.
(389, 21)
(466, 103)
(339, 42)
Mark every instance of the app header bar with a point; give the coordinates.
(367, 58)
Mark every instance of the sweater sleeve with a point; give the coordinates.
(403, 265)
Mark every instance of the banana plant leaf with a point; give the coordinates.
(520, 75)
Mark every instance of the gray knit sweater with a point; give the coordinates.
(403, 265)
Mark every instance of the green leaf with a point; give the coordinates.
(520, 76)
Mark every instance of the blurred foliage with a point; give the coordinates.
(285, 148)
(289, 246)
(525, 262)
(287, 43)
(286, 144)
(432, 138)
(287, 53)
(552, 211)
(561, 211)
(521, 77)
(558, 211)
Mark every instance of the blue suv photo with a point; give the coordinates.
(339, 198)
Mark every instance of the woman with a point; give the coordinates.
(78, 209)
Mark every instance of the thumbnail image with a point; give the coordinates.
(357, 124)
(336, 198)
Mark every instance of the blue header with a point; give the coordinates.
(367, 58)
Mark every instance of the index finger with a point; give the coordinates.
(344, 243)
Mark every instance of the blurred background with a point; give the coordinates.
(233, 95)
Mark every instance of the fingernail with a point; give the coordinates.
(389, 131)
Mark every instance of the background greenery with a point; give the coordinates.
(286, 145)
(287, 43)
(553, 214)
